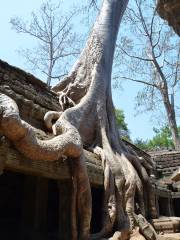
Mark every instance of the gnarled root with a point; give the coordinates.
(68, 143)
(23, 136)
(123, 178)
(65, 101)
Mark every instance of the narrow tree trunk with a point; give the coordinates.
(50, 67)
(49, 74)
(171, 119)
(163, 88)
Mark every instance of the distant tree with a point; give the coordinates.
(142, 144)
(56, 41)
(162, 139)
(151, 56)
(121, 124)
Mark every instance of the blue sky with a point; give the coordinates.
(140, 126)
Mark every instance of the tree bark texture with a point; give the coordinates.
(87, 119)
(172, 120)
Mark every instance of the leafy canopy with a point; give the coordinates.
(161, 140)
(121, 124)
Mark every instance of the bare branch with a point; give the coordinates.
(93, 3)
(152, 22)
(154, 60)
(142, 19)
(159, 35)
(140, 81)
(57, 76)
(132, 56)
(20, 27)
(64, 24)
(177, 67)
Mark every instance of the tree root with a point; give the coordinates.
(68, 143)
(23, 136)
(126, 188)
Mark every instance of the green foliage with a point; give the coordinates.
(162, 139)
(120, 119)
(142, 144)
(122, 125)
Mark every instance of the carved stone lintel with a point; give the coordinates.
(11, 159)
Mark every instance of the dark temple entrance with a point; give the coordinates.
(176, 204)
(36, 208)
(11, 188)
(163, 206)
(97, 200)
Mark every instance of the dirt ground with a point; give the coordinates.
(172, 236)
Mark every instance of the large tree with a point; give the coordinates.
(151, 56)
(88, 119)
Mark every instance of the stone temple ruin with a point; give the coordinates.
(167, 188)
(36, 196)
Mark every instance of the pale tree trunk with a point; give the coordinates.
(88, 119)
(49, 77)
(169, 106)
(50, 67)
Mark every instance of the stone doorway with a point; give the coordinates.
(36, 208)
(176, 204)
(11, 188)
(97, 203)
(163, 206)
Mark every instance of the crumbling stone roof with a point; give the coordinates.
(138, 151)
(166, 161)
(15, 72)
(31, 95)
(176, 175)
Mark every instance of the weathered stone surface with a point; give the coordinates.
(172, 236)
(11, 159)
(167, 224)
(145, 228)
(32, 96)
(166, 161)
(176, 175)
(169, 10)
(136, 235)
(120, 236)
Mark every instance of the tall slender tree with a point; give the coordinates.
(88, 118)
(151, 57)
